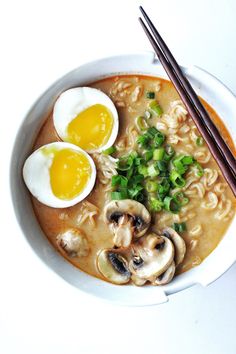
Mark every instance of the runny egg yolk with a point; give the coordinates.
(91, 128)
(69, 173)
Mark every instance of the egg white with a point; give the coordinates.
(73, 101)
(37, 176)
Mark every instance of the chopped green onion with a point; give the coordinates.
(180, 168)
(180, 199)
(151, 186)
(115, 180)
(151, 132)
(152, 171)
(123, 181)
(150, 95)
(141, 123)
(148, 155)
(148, 114)
(162, 165)
(169, 152)
(136, 179)
(164, 174)
(198, 169)
(109, 151)
(187, 160)
(163, 188)
(125, 163)
(199, 141)
(158, 154)
(155, 204)
(143, 140)
(182, 162)
(177, 179)
(143, 170)
(133, 192)
(156, 108)
(184, 159)
(171, 205)
(133, 155)
(158, 139)
(119, 195)
(152, 174)
(130, 172)
(181, 227)
(138, 161)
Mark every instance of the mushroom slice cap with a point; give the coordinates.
(138, 281)
(123, 232)
(113, 266)
(179, 244)
(152, 255)
(137, 213)
(165, 277)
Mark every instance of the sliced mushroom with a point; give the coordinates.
(123, 232)
(152, 255)
(113, 266)
(179, 244)
(128, 219)
(165, 277)
(138, 281)
(74, 243)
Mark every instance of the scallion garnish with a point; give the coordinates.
(158, 139)
(119, 195)
(171, 205)
(163, 188)
(115, 180)
(152, 171)
(169, 152)
(142, 169)
(143, 140)
(109, 151)
(148, 155)
(150, 95)
(198, 169)
(151, 186)
(162, 165)
(199, 141)
(124, 163)
(155, 204)
(152, 132)
(150, 174)
(177, 179)
(123, 181)
(141, 123)
(179, 227)
(180, 199)
(155, 108)
(158, 154)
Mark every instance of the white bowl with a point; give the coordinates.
(212, 90)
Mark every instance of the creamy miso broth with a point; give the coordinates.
(210, 207)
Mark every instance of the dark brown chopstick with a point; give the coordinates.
(220, 155)
(192, 95)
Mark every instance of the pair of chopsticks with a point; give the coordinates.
(206, 127)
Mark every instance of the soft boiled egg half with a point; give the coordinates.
(59, 174)
(86, 117)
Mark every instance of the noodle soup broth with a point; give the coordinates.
(211, 205)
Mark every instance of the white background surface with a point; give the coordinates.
(39, 313)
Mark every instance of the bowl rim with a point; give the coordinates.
(161, 295)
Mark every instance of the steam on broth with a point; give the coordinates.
(84, 236)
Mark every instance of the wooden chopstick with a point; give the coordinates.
(212, 143)
(192, 95)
